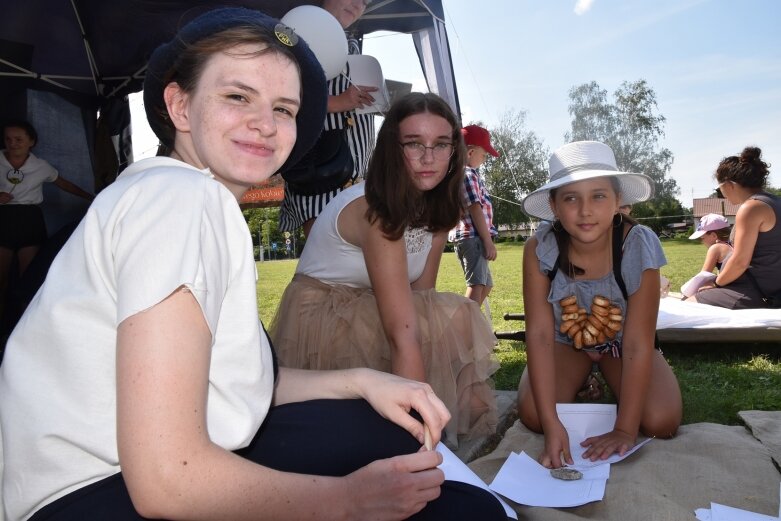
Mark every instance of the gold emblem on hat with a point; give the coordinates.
(285, 35)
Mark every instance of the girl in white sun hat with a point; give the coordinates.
(591, 295)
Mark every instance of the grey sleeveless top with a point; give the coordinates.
(766, 260)
(642, 251)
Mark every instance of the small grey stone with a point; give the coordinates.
(566, 474)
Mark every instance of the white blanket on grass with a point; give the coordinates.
(680, 314)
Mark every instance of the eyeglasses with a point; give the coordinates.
(415, 151)
(719, 191)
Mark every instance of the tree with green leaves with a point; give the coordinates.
(520, 168)
(632, 127)
(264, 222)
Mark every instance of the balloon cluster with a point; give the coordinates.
(590, 329)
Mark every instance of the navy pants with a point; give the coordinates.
(322, 437)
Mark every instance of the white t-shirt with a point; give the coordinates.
(26, 183)
(161, 225)
(331, 259)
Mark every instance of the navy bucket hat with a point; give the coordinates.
(310, 117)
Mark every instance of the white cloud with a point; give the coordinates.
(582, 6)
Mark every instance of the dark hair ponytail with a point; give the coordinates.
(748, 169)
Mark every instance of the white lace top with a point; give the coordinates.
(330, 259)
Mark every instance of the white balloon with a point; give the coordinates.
(324, 35)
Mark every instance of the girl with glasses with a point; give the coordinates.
(364, 291)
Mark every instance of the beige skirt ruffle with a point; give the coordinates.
(320, 326)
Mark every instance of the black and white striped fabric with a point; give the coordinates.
(296, 208)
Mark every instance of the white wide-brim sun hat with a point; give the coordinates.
(583, 160)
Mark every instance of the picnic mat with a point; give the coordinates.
(766, 427)
(666, 479)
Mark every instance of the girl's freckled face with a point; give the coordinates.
(242, 115)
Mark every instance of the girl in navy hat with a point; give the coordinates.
(591, 294)
(140, 383)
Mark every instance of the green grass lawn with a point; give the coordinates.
(717, 381)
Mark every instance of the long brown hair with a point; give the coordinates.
(392, 197)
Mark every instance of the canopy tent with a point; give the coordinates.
(93, 50)
(92, 53)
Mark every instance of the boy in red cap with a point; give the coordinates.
(473, 237)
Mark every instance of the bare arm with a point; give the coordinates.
(71, 188)
(637, 352)
(539, 336)
(386, 262)
(171, 467)
(391, 396)
(752, 217)
(428, 279)
(541, 363)
(174, 471)
(712, 257)
(478, 219)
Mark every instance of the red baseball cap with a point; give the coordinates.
(475, 135)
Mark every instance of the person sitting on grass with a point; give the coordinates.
(751, 274)
(591, 295)
(714, 232)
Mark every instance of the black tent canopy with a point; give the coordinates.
(93, 50)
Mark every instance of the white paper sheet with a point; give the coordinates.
(583, 420)
(525, 481)
(365, 70)
(456, 470)
(719, 512)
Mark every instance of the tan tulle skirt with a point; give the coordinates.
(319, 326)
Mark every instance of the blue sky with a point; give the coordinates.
(715, 66)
